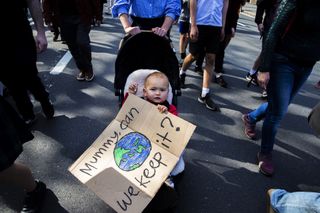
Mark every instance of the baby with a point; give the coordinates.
(156, 90)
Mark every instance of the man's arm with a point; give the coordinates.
(193, 17)
(224, 15)
(36, 14)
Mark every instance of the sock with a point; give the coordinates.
(218, 75)
(252, 71)
(204, 92)
(183, 55)
(183, 71)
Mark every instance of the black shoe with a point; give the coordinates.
(252, 79)
(47, 109)
(33, 200)
(208, 102)
(221, 81)
(182, 81)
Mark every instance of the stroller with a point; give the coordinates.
(143, 53)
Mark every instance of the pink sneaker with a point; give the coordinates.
(265, 164)
(249, 128)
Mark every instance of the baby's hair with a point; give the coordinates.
(156, 74)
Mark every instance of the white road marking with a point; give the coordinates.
(61, 64)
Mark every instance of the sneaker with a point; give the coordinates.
(47, 109)
(264, 94)
(249, 127)
(33, 200)
(208, 102)
(220, 80)
(182, 79)
(89, 76)
(169, 182)
(269, 207)
(265, 164)
(252, 79)
(81, 76)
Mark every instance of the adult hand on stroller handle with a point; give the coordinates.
(151, 31)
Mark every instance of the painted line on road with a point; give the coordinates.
(61, 64)
(242, 25)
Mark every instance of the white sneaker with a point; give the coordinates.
(169, 182)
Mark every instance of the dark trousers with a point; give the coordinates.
(19, 83)
(76, 35)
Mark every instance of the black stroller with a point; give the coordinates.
(146, 51)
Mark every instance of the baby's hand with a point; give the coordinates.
(162, 108)
(133, 88)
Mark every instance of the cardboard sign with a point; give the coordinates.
(130, 160)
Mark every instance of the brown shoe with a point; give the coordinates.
(89, 75)
(269, 208)
(265, 164)
(249, 128)
(81, 76)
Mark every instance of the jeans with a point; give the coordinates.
(258, 114)
(295, 202)
(286, 78)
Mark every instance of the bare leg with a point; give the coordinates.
(20, 175)
(208, 69)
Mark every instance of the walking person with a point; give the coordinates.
(288, 56)
(157, 16)
(230, 30)
(21, 57)
(13, 134)
(207, 18)
(75, 18)
(265, 13)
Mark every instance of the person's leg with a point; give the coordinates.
(285, 81)
(294, 202)
(258, 114)
(85, 55)
(199, 62)
(37, 89)
(19, 93)
(20, 175)
(219, 62)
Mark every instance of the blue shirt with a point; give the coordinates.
(147, 8)
(209, 12)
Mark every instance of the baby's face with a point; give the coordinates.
(156, 90)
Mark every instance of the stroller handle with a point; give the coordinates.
(150, 31)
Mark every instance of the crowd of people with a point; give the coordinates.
(290, 31)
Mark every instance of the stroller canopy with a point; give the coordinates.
(146, 51)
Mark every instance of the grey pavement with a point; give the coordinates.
(221, 173)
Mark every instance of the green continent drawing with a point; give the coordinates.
(131, 151)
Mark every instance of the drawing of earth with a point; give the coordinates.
(131, 151)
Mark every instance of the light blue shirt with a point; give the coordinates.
(209, 12)
(147, 8)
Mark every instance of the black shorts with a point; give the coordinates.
(208, 40)
(184, 27)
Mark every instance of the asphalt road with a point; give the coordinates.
(221, 173)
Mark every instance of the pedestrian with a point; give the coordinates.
(207, 18)
(21, 74)
(13, 134)
(184, 26)
(75, 18)
(229, 31)
(157, 16)
(288, 56)
(281, 201)
(265, 13)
